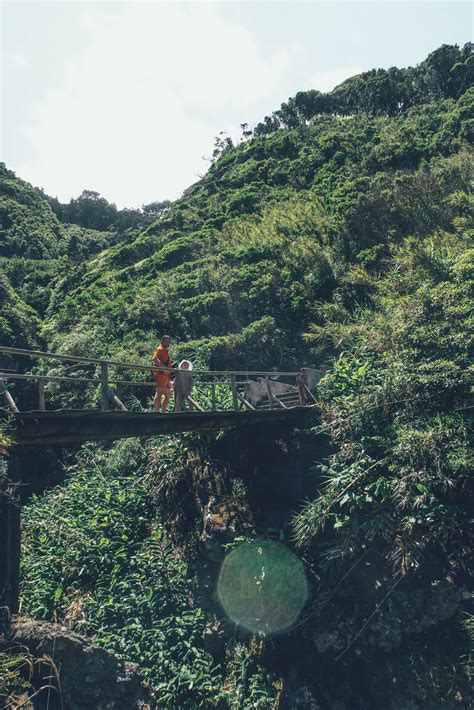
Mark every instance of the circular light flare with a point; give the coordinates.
(262, 586)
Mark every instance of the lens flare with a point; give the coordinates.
(262, 586)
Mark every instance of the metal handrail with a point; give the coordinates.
(7, 375)
(50, 378)
(137, 366)
(234, 379)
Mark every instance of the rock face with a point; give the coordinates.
(224, 519)
(301, 699)
(225, 516)
(421, 609)
(214, 638)
(90, 677)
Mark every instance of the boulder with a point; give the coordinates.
(90, 677)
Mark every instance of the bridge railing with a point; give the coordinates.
(214, 390)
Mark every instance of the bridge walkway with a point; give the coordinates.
(220, 399)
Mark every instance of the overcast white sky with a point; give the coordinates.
(126, 97)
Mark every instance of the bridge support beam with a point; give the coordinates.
(10, 535)
(69, 427)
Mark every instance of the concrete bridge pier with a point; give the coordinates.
(10, 534)
(30, 470)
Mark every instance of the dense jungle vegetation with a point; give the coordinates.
(338, 233)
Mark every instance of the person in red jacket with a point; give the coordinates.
(161, 358)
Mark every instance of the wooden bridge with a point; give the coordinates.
(220, 399)
(108, 400)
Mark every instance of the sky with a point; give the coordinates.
(126, 98)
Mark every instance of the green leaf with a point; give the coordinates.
(422, 488)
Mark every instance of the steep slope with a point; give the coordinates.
(234, 267)
(339, 234)
(19, 323)
(29, 229)
(41, 238)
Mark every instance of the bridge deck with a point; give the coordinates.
(63, 427)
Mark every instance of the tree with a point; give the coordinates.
(154, 210)
(222, 143)
(246, 131)
(92, 211)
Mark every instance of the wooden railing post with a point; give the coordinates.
(235, 400)
(104, 387)
(301, 392)
(304, 379)
(269, 392)
(41, 397)
(213, 396)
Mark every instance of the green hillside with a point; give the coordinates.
(235, 266)
(340, 232)
(41, 238)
